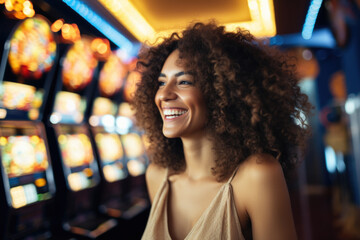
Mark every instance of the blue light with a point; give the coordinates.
(330, 159)
(311, 19)
(104, 27)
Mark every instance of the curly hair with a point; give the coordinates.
(254, 102)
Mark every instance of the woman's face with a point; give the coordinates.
(180, 101)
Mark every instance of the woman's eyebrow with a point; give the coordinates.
(177, 74)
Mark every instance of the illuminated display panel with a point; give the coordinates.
(76, 150)
(135, 152)
(111, 155)
(69, 107)
(17, 96)
(103, 106)
(124, 119)
(78, 66)
(32, 48)
(112, 76)
(23, 155)
(25, 164)
(77, 156)
(125, 110)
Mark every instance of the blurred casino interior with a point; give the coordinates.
(73, 160)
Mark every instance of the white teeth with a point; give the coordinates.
(173, 113)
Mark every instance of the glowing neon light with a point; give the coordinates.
(311, 19)
(330, 159)
(104, 27)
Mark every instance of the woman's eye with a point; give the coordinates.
(161, 83)
(184, 82)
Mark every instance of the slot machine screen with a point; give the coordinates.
(112, 76)
(32, 48)
(135, 152)
(124, 118)
(26, 61)
(111, 155)
(17, 96)
(78, 66)
(69, 107)
(103, 106)
(25, 162)
(78, 157)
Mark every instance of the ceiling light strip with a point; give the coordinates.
(261, 25)
(310, 19)
(100, 24)
(262, 22)
(128, 15)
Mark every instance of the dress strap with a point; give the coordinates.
(233, 174)
(166, 174)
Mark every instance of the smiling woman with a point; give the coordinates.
(221, 113)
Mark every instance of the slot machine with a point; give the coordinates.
(135, 145)
(77, 176)
(108, 143)
(116, 149)
(27, 185)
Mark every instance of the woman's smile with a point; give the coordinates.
(173, 113)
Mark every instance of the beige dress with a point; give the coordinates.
(219, 220)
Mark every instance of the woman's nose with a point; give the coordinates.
(166, 93)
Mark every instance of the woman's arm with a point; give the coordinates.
(266, 199)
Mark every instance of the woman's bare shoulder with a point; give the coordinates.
(155, 175)
(261, 165)
(265, 197)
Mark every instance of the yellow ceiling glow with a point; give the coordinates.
(148, 20)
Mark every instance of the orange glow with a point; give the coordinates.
(65, 28)
(41, 182)
(75, 33)
(57, 25)
(29, 12)
(70, 32)
(17, 5)
(27, 4)
(19, 8)
(9, 6)
(19, 15)
(101, 48)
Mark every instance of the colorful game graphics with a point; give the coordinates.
(135, 152)
(79, 66)
(77, 153)
(69, 107)
(112, 154)
(112, 76)
(23, 155)
(32, 48)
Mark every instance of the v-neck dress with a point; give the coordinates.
(218, 221)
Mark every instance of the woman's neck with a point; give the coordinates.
(199, 157)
